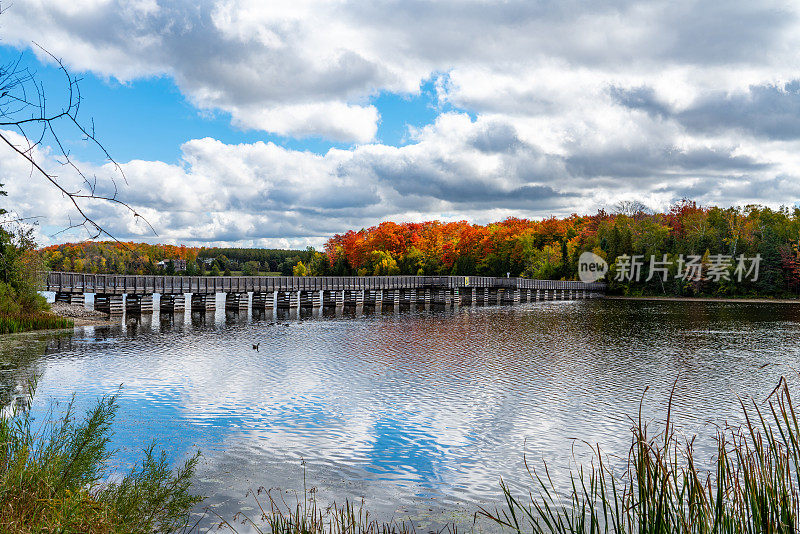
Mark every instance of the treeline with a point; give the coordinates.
(271, 260)
(697, 251)
(716, 240)
(111, 257)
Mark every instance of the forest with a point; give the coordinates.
(141, 258)
(542, 249)
(550, 248)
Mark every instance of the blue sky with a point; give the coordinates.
(150, 118)
(241, 123)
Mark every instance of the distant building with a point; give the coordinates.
(180, 265)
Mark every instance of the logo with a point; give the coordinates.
(591, 267)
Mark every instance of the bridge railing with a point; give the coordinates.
(142, 284)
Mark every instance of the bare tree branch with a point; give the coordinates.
(37, 125)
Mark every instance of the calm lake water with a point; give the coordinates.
(418, 413)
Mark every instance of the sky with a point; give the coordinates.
(278, 124)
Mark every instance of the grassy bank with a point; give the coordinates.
(54, 477)
(10, 324)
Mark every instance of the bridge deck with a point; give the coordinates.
(64, 282)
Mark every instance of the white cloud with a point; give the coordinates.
(577, 105)
(484, 169)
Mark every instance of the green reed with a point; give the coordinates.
(306, 516)
(750, 486)
(11, 324)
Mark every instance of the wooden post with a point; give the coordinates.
(77, 299)
(136, 303)
(236, 302)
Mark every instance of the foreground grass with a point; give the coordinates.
(751, 485)
(13, 323)
(52, 481)
(53, 478)
(307, 517)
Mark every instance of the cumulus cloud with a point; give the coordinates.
(482, 169)
(570, 106)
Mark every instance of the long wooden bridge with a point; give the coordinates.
(114, 293)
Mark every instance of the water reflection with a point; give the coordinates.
(420, 412)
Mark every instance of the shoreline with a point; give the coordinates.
(81, 316)
(742, 300)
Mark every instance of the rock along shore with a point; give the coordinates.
(80, 315)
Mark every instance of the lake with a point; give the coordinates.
(418, 413)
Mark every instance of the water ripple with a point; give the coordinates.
(417, 410)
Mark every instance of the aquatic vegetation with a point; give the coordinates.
(10, 324)
(54, 477)
(306, 516)
(751, 485)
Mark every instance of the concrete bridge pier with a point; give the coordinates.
(204, 302)
(78, 299)
(316, 299)
(110, 304)
(172, 303)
